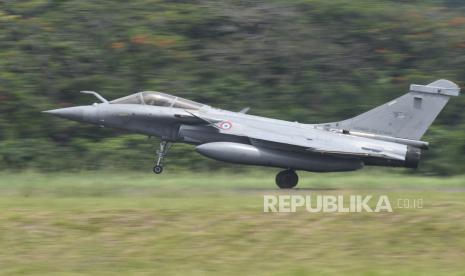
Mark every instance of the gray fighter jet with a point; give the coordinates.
(388, 135)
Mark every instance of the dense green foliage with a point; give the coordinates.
(305, 60)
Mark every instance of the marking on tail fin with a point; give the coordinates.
(408, 117)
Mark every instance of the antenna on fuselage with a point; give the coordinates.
(244, 110)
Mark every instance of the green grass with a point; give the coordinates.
(213, 224)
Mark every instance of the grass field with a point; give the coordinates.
(214, 224)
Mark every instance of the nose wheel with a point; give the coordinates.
(287, 179)
(158, 169)
(161, 153)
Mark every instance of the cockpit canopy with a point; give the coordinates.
(158, 99)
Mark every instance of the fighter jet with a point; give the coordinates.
(388, 135)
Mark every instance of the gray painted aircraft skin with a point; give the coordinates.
(388, 135)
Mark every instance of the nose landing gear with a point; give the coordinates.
(287, 179)
(158, 169)
(162, 152)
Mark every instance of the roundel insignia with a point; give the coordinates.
(225, 125)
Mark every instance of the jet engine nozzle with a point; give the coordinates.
(412, 157)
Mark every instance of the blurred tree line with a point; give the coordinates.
(304, 60)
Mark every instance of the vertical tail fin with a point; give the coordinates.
(408, 116)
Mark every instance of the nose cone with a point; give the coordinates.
(78, 113)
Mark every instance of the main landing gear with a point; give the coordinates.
(287, 179)
(162, 152)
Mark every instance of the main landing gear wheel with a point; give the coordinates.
(162, 152)
(287, 179)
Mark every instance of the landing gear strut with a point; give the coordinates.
(162, 152)
(287, 179)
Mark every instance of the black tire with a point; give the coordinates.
(287, 179)
(158, 169)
